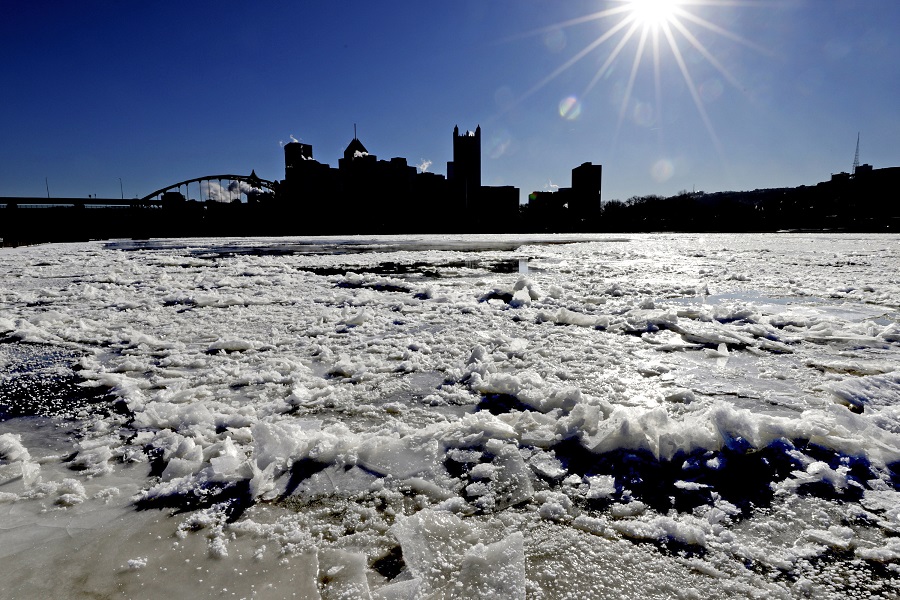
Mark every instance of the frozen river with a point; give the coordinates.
(645, 416)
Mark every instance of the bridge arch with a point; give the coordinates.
(237, 186)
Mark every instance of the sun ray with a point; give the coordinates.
(706, 54)
(657, 82)
(611, 59)
(723, 32)
(609, 12)
(568, 64)
(717, 3)
(651, 19)
(698, 102)
(638, 55)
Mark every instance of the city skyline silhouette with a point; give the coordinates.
(368, 195)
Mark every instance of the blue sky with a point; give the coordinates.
(158, 92)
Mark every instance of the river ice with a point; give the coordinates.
(653, 416)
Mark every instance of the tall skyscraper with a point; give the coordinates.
(587, 179)
(295, 153)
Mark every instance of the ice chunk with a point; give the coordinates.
(70, 493)
(680, 395)
(354, 320)
(835, 537)
(262, 482)
(475, 429)
(565, 316)
(495, 571)
(891, 333)
(818, 471)
(596, 526)
(230, 459)
(525, 284)
(878, 390)
(401, 590)
(630, 509)
(647, 320)
(429, 488)
(232, 345)
(336, 481)
(401, 458)
(520, 298)
(434, 543)
(511, 484)
(720, 352)
(93, 459)
(343, 575)
(442, 551)
(515, 347)
(547, 465)
(886, 502)
(661, 528)
(478, 355)
(889, 551)
(555, 506)
(483, 471)
(534, 428)
(188, 460)
(11, 448)
(601, 486)
(282, 442)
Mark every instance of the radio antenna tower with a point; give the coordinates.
(856, 158)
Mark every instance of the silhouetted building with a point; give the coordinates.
(498, 207)
(295, 154)
(587, 179)
(358, 182)
(862, 170)
(305, 179)
(546, 203)
(876, 192)
(355, 149)
(569, 209)
(365, 194)
(841, 177)
(464, 171)
(478, 208)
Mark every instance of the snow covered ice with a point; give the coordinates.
(653, 416)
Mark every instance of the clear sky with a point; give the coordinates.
(760, 93)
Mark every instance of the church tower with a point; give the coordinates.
(464, 172)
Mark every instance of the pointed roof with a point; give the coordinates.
(354, 147)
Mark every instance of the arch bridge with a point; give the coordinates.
(219, 188)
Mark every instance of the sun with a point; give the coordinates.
(653, 13)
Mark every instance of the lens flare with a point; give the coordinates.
(711, 90)
(555, 40)
(643, 114)
(662, 170)
(570, 108)
(500, 143)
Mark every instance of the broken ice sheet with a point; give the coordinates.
(350, 407)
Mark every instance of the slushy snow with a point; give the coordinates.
(463, 417)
